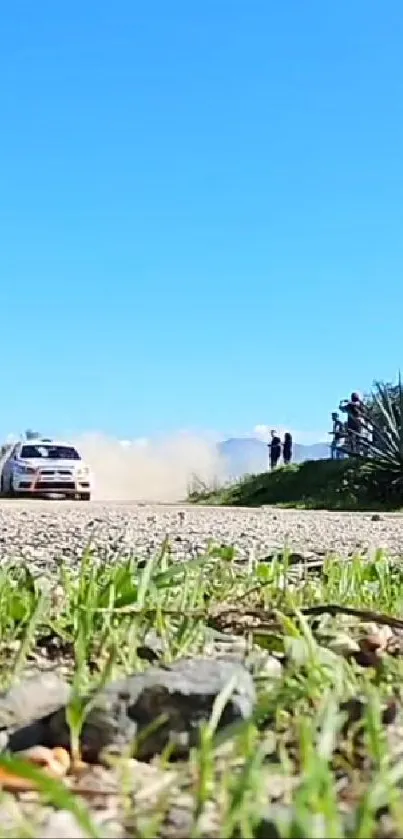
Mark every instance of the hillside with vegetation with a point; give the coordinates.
(316, 485)
(369, 477)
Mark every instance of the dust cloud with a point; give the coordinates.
(146, 470)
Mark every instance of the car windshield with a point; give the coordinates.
(49, 452)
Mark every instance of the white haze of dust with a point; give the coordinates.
(149, 470)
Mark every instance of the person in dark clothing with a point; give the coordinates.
(337, 437)
(275, 449)
(354, 409)
(287, 448)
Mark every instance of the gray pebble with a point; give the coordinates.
(32, 699)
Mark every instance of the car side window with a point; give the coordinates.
(14, 453)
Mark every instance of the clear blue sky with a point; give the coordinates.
(201, 209)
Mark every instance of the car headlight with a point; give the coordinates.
(83, 471)
(23, 469)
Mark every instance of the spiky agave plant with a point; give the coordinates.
(384, 451)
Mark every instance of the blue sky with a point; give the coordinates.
(201, 211)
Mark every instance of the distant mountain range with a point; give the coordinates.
(249, 455)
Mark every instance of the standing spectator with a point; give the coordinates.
(275, 449)
(287, 448)
(354, 408)
(337, 437)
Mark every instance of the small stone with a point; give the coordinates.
(268, 825)
(24, 710)
(62, 823)
(297, 557)
(271, 667)
(258, 662)
(32, 699)
(152, 647)
(141, 564)
(376, 517)
(342, 644)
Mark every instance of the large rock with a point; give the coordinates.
(182, 694)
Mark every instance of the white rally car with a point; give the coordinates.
(44, 467)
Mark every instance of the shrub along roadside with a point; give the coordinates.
(317, 484)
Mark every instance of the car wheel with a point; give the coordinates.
(85, 496)
(11, 490)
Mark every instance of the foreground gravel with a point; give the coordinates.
(32, 714)
(45, 532)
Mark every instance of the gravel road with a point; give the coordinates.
(46, 531)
